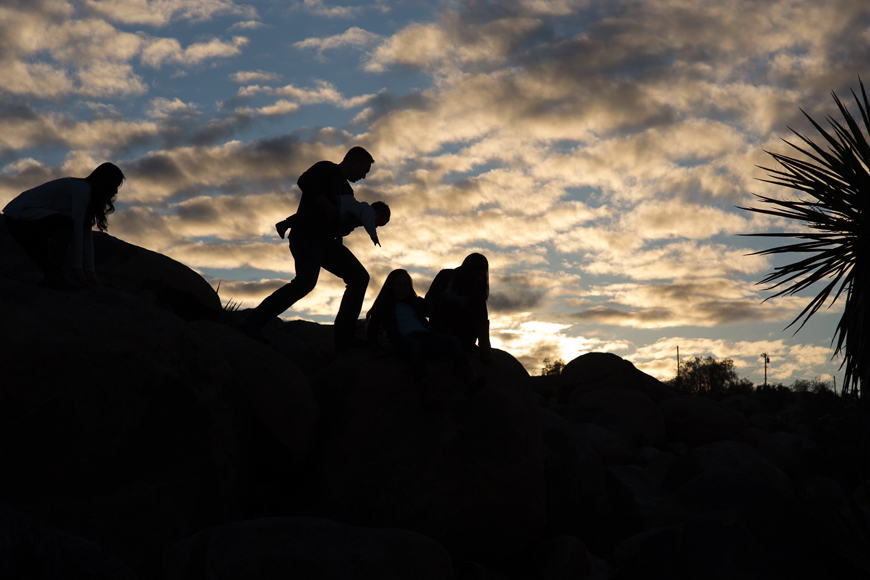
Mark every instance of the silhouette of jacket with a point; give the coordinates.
(66, 196)
(386, 319)
(322, 178)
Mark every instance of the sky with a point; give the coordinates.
(595, 151)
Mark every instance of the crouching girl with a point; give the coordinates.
(399, 312)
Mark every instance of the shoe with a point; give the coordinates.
(254, 332)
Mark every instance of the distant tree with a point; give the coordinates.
(833, 206)
(708, 377)
(552, 369)
(812, 386)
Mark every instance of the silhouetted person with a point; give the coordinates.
(456, 303)
(60, 215)
(351, 215)
(400, 313)
(315, 240)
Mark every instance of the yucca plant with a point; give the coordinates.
(834, 203)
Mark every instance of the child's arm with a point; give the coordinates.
(366, 215)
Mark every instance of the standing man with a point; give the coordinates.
(315, 242)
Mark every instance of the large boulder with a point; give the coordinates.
(301, 547)
(573, 471)
(121, 423)
(465, 471)
(127, 267)
(630, 414)
(698, 421)
(36, 551)
(732, 455)
(599, 370)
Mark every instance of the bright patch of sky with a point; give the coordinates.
(594, 151)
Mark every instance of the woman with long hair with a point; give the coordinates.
(399, 312)
(58, 216)
(456, 303)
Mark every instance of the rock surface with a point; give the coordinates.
(306, 548)
(132, 431)
(465, 471)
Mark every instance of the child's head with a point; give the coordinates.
(382, 213)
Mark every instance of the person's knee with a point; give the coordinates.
(359, 279)
(302, 285)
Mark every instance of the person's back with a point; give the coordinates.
(323, 178)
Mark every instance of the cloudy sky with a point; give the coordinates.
(594, 150)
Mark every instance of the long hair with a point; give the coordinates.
(466, 281)
(104, 181)
(386, 301)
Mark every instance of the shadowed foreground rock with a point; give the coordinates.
(130, 432)
(464, 471)
(306, 548)
(124, 424)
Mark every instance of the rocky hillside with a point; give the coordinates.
(142, 436)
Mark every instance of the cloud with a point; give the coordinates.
(324, 92)
(257, 75)
(247, 25)
(162, 50)
(700, 302)
(320, 8)
(161, 12)
(162, 108)
(354, 37)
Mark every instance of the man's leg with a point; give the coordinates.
(341, 262)
(307, 257)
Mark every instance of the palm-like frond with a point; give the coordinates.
(834, 184)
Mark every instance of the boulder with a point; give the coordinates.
(301, 547)
(630, 414)
(633, 492)
(465, 471)
(129, 268)
(598, 370)
(788, 460)
(611, 448)
(698, 421)
(573, 472)
(121, 423)
(566, 558)
(34, 550)
(732, 455)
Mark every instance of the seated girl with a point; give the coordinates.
(456, 303)
(399, 312)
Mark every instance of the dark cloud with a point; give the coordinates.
(515, 300)
(514, 293)
(158, 168)
(613, 316)
(218, 130)
(736, 312)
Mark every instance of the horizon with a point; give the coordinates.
(594, 152)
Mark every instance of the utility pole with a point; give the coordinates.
(678, 365)
(766, 361)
